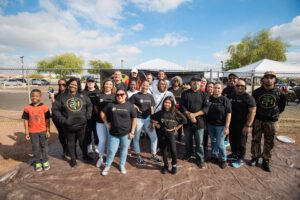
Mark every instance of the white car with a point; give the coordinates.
(12, 82)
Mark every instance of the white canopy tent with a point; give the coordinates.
(159, 64)
(257, 69)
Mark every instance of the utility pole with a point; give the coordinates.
(122, 61)
(22, 57)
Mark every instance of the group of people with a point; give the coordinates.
(115, 115)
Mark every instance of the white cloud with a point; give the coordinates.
(290, 32)
(169, 39)
(161, 6)
(293, 57)
(221, 56)
(137, 27)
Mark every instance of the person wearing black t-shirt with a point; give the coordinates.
(218, 121)
(176, 89)
(194, 104)
(168, 120)
(91, 90)
(144, 104)
(122, 115)
(106, 96)
(243, 112)
(118, 81)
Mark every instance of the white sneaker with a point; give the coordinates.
(105, 171)
(96, 150)
(90, 148)
(123, 170)
(99, 162)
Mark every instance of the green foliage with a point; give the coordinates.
(64, 64)
(253, 49)
(96, 65)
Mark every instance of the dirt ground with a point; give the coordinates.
(145, 182)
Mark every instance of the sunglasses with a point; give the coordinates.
(240, 86)
(120, 94)
(61, 84)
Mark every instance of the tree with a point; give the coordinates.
(64, 64)
(253, 49)
(96, 65)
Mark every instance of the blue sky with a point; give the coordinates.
(192, 33)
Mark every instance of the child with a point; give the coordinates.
(37, 129)
(169, 120)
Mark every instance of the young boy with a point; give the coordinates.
(37, 129)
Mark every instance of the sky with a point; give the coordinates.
(191, 33)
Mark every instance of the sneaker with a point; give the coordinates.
(73, 163)
(140, 160)
(201, 165)
(90, 148)
(164, 169)
(237, 164)
(155, 158)
(123, 170)
(46, 166)
(232, 157)
(99, 162)
(223, 164)
(174, 170)
(38, 167)
(254, 162)
(226, 143)
(105, 171)
(96, 150)
(266, 166)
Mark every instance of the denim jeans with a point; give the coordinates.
(189, 132)
(217, 141)
(112, 148)
(143, 124)
(102, 136)
(39, 144)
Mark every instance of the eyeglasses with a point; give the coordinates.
(240, 86)
(62, 85)
(120, 94)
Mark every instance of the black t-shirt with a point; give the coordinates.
(176, 93)
(93, 95)
(121, 85)
(240, 105)
(168, 120)
(144, 102)
(120, 116)
(228, 92)
(102, 101)
(219, 107)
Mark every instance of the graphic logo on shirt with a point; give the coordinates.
(267, 101)
(74, 104)
(141, 100)
(101, 100)
(114, 109)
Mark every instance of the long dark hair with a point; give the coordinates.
(173, 108)
(59, 90)
(79, 89)
(86, 87)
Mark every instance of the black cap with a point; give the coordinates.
(233, 74)
(90, 79)
(196, 78)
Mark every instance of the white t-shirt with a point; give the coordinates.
(155, 83)
(159, 98)
(131, 93)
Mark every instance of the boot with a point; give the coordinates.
(266, 165)
(174, 169)
(254, 161)
(165, 169)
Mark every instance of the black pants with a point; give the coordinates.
(61, 136)
(72, 137)
(238, 140)
(39, 144)
(168, 142)
(91, 129)
(205, 140)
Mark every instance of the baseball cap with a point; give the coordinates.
(196, 78)
(233, 74)
(134, 70)
(90, 79)
(270, 73)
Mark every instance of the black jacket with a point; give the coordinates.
(72, 111)
(270, 103)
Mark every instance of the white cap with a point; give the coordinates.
(134, 70)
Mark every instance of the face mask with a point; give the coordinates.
(195, 86)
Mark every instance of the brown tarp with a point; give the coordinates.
(146, 182)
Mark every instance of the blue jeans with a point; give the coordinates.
(112, 148)
(143, 124)
(217, 141)
(102, 135)
(189, 132)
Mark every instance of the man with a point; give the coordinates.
(243, 112)
(134, 75)
(194, 104)
(270, 103)
(149, 78)
(118, 81)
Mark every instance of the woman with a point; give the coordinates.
(134, 75)
(168, 121)
(91, 90)
(132, 87)
(144, 104)
(121, 128)
(160, 94)
(72, 109)
(62, 83)
(218, 121)
(209, 90)
(106, 96)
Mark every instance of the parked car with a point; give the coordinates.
(12, 82)
(22, 80)
(38, 81)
